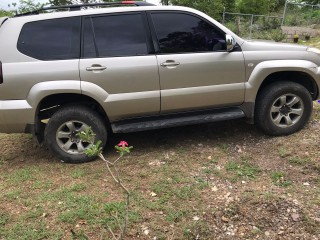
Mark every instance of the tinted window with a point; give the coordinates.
(179, 32)
(54, 39)
(115, 35)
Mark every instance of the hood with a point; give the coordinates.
(271, 46)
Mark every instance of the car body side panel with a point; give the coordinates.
(132, 84)
(16, 114)
(201, 80)
(20, 77)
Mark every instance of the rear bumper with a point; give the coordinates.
(15, 116)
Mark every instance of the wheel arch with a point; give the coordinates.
(298, 77)
(51, 103)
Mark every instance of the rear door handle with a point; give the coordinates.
(96, 67)
(170, 63)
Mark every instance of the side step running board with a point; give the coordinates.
(173, 120)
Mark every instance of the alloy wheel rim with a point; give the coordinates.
(286, 110)
(68, 139)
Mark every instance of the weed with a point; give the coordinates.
(78, 187)
(13, 194)
(224, 148)
(278, 179)
(39, 184)
(4, 218)
(2, 160)
(185, 192)
(34, 213)
(30, 230)
(78, 173)
(22, 175)
(176, 216)
(79, 208)
(283, 152)
(299, 161)
(198, 230)
(243, 169)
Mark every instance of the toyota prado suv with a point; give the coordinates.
(123, 69)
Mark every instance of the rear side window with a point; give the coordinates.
(54, 39)
(184, 33)
(114, 35)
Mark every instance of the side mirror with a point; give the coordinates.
(230, 42)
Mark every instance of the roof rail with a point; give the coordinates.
(78, 7)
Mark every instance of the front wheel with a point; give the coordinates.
(283, 108)
(61, 133)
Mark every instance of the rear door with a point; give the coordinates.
(118, 57)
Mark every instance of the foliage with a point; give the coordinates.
(29, 5)
(4, 13)
(278, 179)
(277, 35)
(259, 6)
(212, 8)
(122, 148)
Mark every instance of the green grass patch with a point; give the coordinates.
(279, 179)
(35, 230)
(244, 168)
(176, 216)
(78, 173)
(4, 218)
(299, 160)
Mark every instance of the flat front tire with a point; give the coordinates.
(283, 108)
(62, 129)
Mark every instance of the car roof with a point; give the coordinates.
(85, 12)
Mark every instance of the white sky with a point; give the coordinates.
(4, 3)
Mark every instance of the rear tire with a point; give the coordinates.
(283, 108)
(61, 132)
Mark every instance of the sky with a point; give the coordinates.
(4, 3)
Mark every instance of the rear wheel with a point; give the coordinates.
(283, 108)
(61, 133)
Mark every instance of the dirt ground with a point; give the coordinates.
(224, 180)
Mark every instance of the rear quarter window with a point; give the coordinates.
(54, 39)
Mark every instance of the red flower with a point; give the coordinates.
(123, 144)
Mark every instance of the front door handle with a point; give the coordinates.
(96, 67)
(170, 63)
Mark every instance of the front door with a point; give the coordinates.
(196, 71)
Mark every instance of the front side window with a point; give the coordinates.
(114, 35)
(184, 33)
(53, 39)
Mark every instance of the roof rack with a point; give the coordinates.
(78, 7)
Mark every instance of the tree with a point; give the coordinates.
(313, 2)
(70, 2)
(212, 8)
(258, 6)
(230, 5)
(28, 6)
(4, 13)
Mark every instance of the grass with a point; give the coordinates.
(243, 169)
(300, 160)
(279, 179)
(283, 152)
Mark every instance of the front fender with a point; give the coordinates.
(264, 69)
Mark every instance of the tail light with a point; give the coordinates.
(1, 75)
